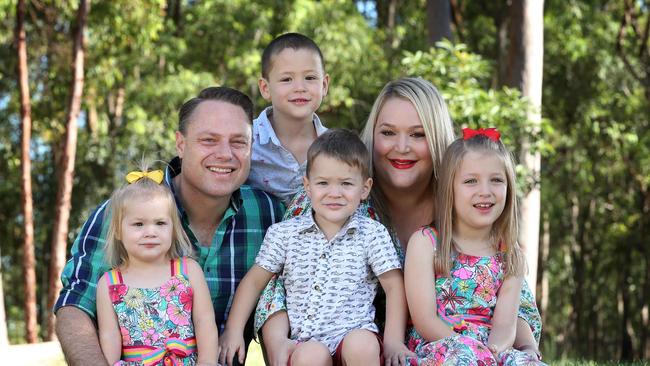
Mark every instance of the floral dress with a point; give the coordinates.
(155, 323)
(465, 301)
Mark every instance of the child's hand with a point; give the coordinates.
(282, 352)
(231, 345)
(395, 353)
(531, 350)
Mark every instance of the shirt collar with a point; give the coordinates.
(307, 224)
(173, 169)
(265, 130)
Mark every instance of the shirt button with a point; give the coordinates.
(323, 256)
(317, 288)
(310, 317)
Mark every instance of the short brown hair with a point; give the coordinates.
(295, 41)
(216, 93)
(343, 145)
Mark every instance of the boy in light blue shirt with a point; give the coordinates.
(294, 81)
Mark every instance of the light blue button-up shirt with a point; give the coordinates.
(274, 169)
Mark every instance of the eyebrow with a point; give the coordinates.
(388, 124)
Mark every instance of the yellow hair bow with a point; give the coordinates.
(154, 175)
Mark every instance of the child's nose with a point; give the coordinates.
(300, 85)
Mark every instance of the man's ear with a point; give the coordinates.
(180, 144)
(263, 84)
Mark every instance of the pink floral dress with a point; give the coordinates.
(466, 302)
(156, 323)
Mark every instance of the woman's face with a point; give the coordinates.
(401, 156)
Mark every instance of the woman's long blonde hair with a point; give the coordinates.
(115, 253)
(504, 230)
(432, 111)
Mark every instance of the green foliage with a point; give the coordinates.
(143, 61)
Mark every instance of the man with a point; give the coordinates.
(224, 220)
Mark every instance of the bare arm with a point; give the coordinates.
(205, 327)
(396, 314)
(525, 340)
(419, 282)
(504, 321)
(110, 338)
(78, 337)
(246, 296)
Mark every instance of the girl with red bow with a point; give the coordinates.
(465, 312)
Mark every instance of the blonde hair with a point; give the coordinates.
(115, 253)
(432, 111)
(504, 230)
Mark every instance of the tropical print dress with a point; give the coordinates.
(156, 323)
(466, 301)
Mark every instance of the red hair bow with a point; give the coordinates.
(490, 133)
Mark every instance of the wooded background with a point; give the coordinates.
(79, 107)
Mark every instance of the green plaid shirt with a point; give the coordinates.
(234, 246)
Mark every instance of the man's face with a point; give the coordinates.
(215, 150)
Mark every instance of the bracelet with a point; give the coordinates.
(533, 348)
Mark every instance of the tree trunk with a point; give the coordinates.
(66, 165)
(438, 21)
(544, 276)
(525, 63)
(29, 273)
(4, 340)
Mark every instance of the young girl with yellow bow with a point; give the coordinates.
(153, 307)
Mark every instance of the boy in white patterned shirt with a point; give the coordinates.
(331, 261)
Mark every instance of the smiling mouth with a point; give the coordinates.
(483, 206)
(299, 101)
(402, 164)
(334, 205)
(221, 170)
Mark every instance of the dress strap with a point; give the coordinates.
(114, 277)
(432, 233)
(178, 265)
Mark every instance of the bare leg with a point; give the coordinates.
(360, 347)
(311, 353)
(277, 344)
